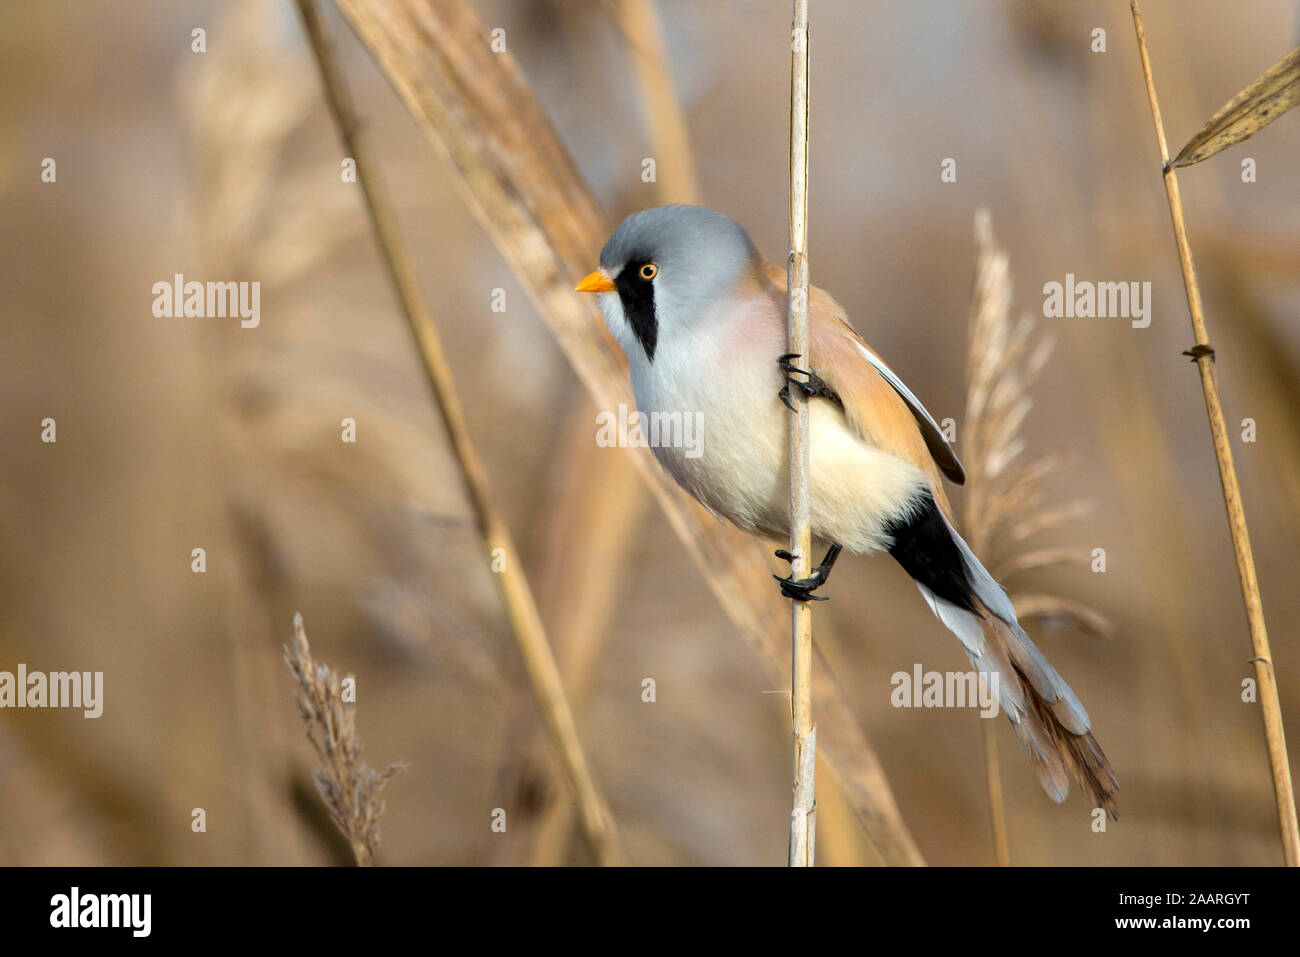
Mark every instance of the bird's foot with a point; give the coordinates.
(801, 589)
(785, 365)
(811, 386)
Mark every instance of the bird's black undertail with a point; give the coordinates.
(923, 545)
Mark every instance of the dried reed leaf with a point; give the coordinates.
(1258, 105)
(599, 506)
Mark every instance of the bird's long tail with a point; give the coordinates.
(1048, 718)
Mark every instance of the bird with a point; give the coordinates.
(701, 317)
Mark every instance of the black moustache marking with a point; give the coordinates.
(638, 298)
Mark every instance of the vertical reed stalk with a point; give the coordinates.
(803, 817)
(1203, 355)
(997, 805)
(663, 110)
(516, 594)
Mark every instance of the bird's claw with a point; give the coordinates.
(784, 364)
(812, 387)
(801, 589)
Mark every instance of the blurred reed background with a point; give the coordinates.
(183, 433)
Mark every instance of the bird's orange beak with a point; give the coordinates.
(598, 281)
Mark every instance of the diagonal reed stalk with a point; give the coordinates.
(476, 108)
(516, 594)
(595, 512)
(1203, 355)
(602, 503)
(803, 816)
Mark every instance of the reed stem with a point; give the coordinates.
(1203, 355)
(997, 804)
(803, 816)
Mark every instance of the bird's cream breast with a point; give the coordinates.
(728, 398)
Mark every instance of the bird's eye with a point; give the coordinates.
(649, 271)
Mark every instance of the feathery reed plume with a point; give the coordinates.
(803, 816)
(1004, 504)
(1004, 490)
(516, 593)
(477, 109)
(350, 788)
(1203, 355)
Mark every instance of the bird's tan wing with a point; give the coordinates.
(876, 402)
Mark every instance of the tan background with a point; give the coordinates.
(174, 434)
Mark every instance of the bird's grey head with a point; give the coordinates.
(663, 269)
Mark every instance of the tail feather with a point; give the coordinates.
(1068, 709)
(1054, 729)
(1058, 744)
(1050, 721)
